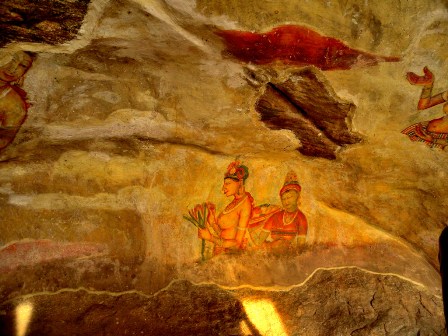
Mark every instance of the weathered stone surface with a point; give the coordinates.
(181, 309)
(69, 224)
(48, 21)
(354, 302)
(345, 301)
(101, 273)
(271, 270)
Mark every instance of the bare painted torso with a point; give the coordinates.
(12, 107)
(439, 125)
(228, 221)
(12, 114)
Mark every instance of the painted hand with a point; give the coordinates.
(204, 234)
(425, 80)
(211, 212)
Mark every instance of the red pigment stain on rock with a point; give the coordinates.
(297, 45)
(31, 252)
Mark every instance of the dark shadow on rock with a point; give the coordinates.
(307, 105)
(443, 259)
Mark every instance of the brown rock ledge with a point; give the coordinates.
(344, 301)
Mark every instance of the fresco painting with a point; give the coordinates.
(242, 226)
(13, 100)
(434, 133)
(199, 218)
(287, 228)
(227, 231)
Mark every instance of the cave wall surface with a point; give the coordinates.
(124, 115)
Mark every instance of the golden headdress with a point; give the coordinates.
(291, 183)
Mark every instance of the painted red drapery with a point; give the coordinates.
(297, 45)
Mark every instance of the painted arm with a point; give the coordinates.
(303, 224)
(243, 221)
(244, 216)
(212, 223)
(259, 237)
(211, 218)
(11, 119)
(303, 229)
(427, 100)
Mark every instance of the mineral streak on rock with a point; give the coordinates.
(47, 21)
(297, 45)
(344, 301)
(307, 105)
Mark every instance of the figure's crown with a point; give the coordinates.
(291, 183)
(291, 178)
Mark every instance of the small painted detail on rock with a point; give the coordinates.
(308, 106)
(297, 45)
(13, 100)
(244, 226)
(33, 252)
(434, 133)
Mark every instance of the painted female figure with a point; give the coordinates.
(227, 230)
(434, 132)
(13, 103)
(287, 226)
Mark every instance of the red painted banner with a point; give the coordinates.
(296, 45)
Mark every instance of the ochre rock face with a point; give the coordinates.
(137, 120)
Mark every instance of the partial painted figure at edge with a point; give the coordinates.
(433, 133)
(13, 101)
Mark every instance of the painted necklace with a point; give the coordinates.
(234, 204)
(292, 220)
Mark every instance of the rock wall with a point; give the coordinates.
(136, 120)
